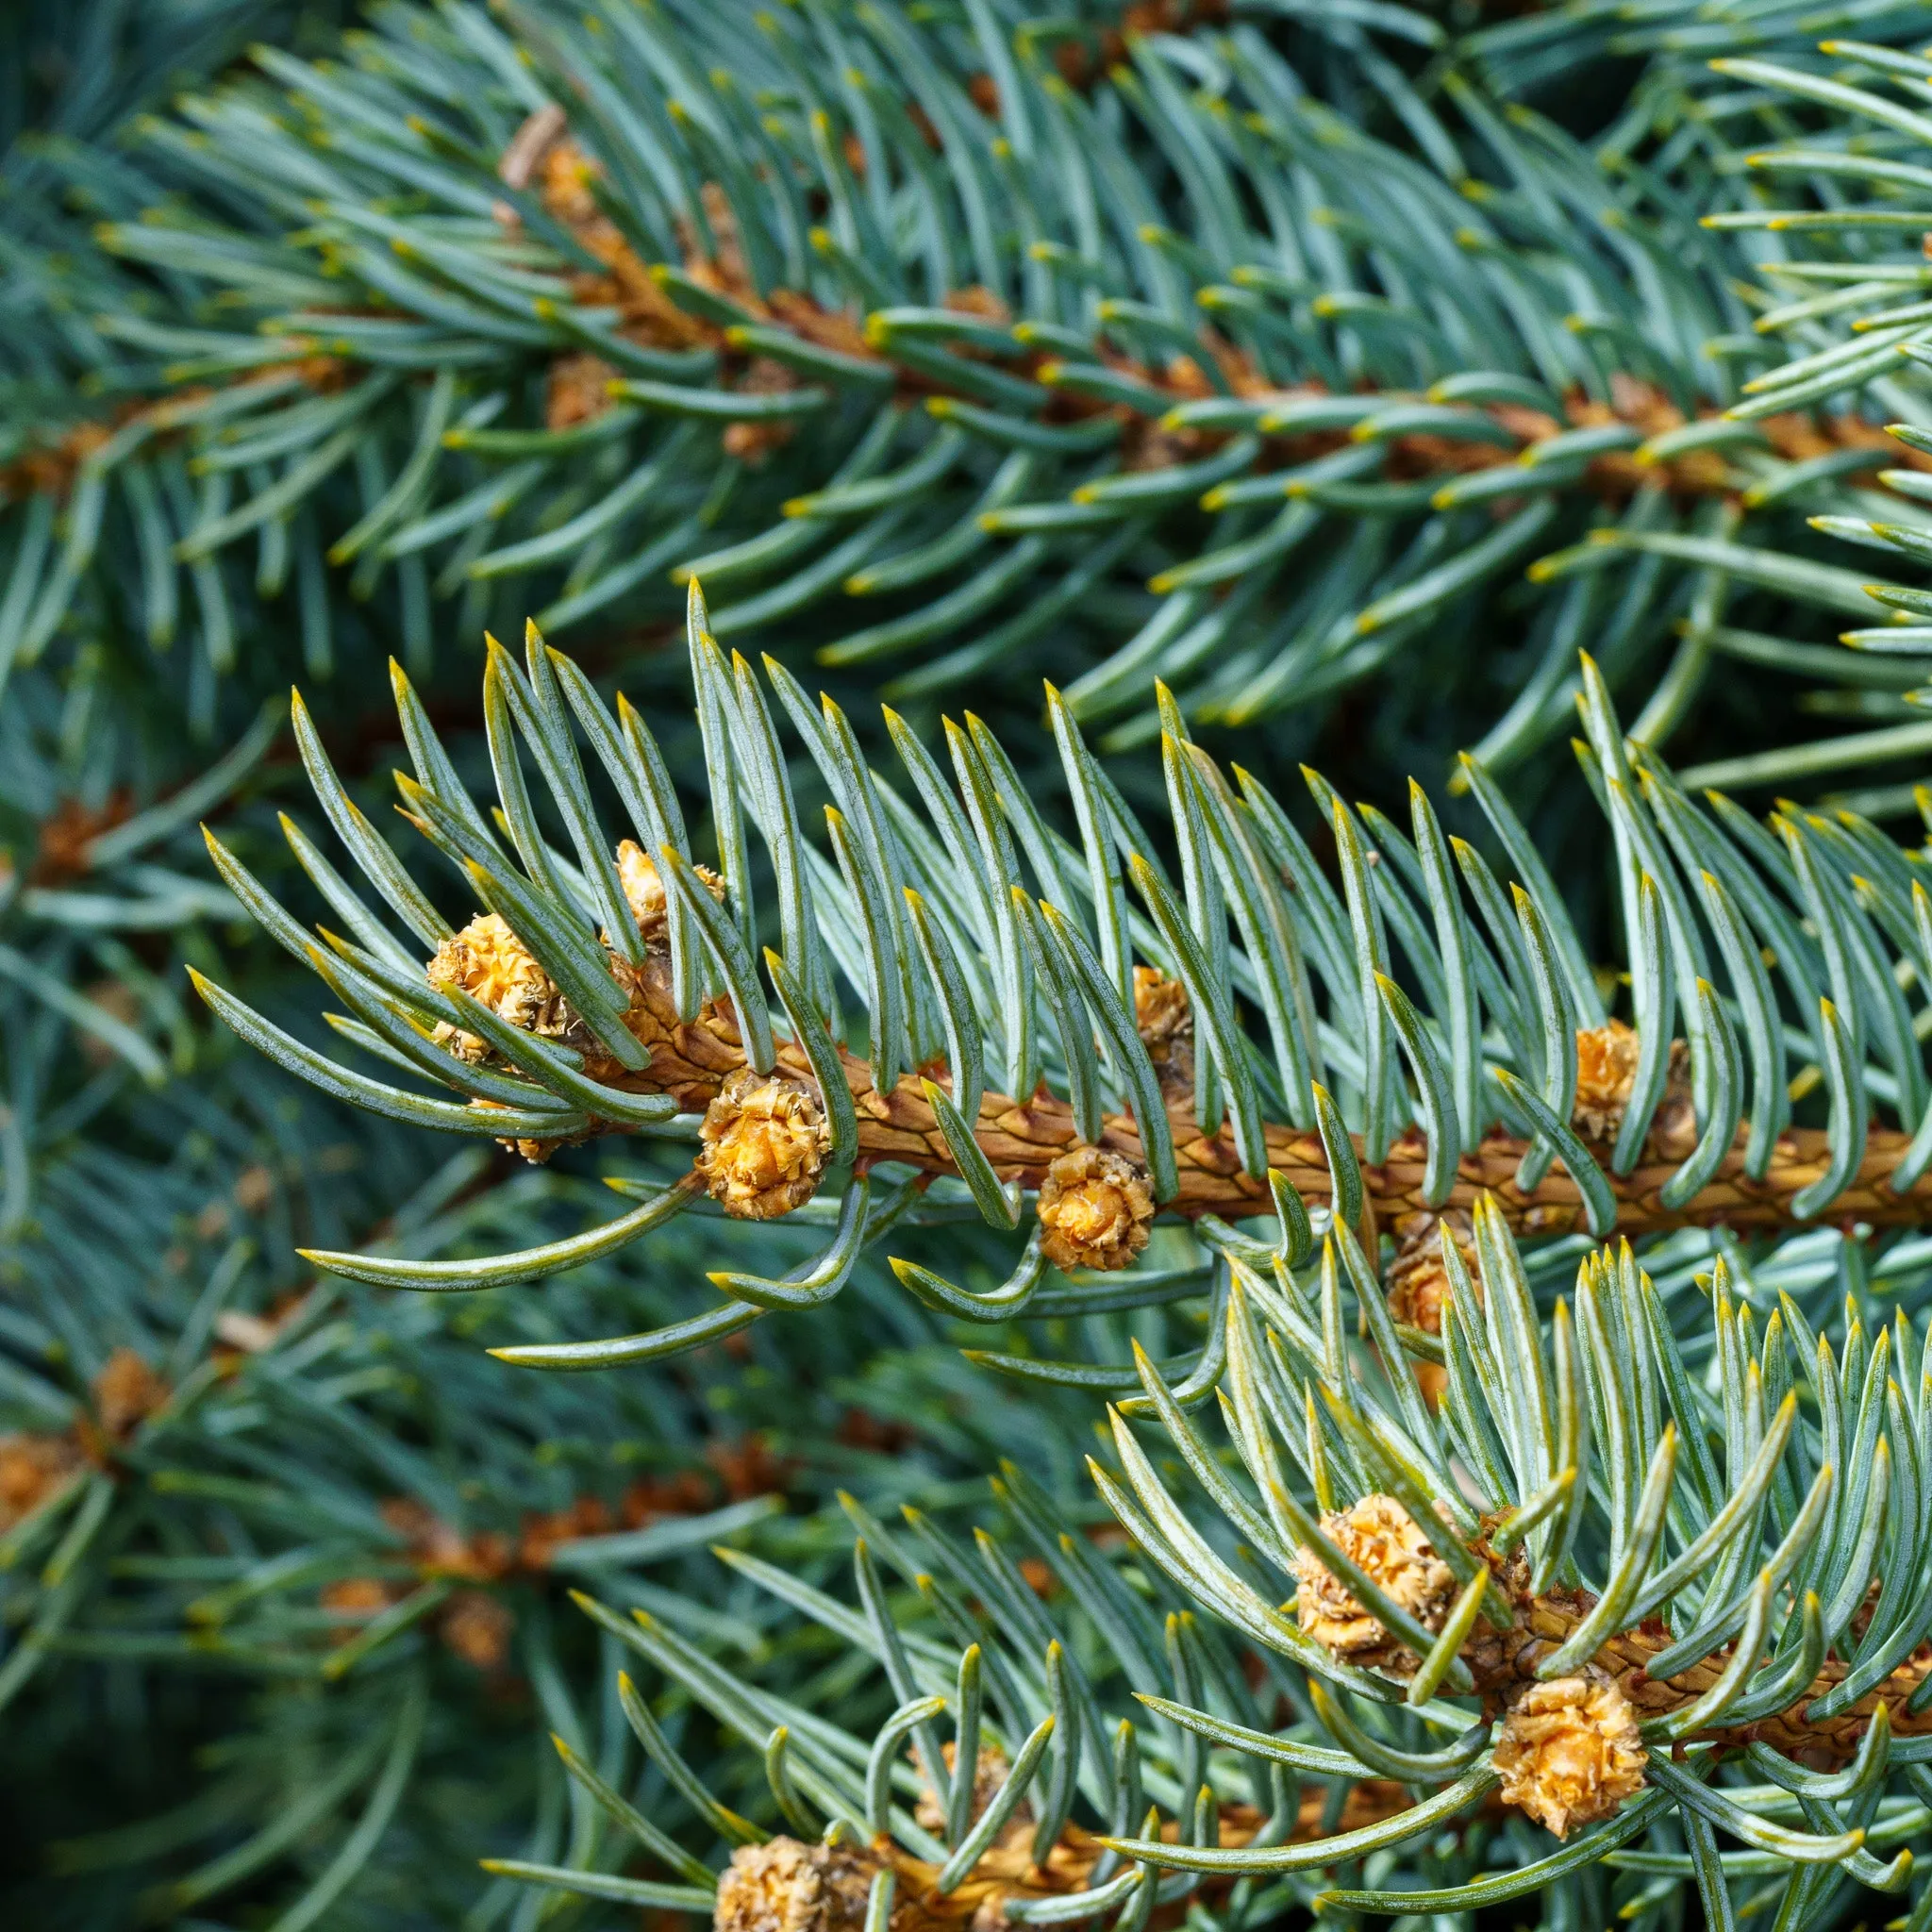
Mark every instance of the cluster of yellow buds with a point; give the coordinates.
(1568, 1752)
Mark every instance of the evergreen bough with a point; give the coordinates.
(1018, 333)
(950, 344)
(1014, 1003)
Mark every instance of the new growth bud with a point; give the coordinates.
(765, 1140)
(1605, 1073)
(643, 890)
(1094, 1205)
(1165, 1023)
(1570, 1752)
(783, 1886)
(488, 961)
(1383, 1540)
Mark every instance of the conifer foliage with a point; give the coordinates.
(1140, 1129)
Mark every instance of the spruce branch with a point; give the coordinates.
(330, 1494)
(1851, 310)
(1698, 1573)
(766, 330)
(1296, 1055)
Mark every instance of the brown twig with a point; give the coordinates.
(692, 1060)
